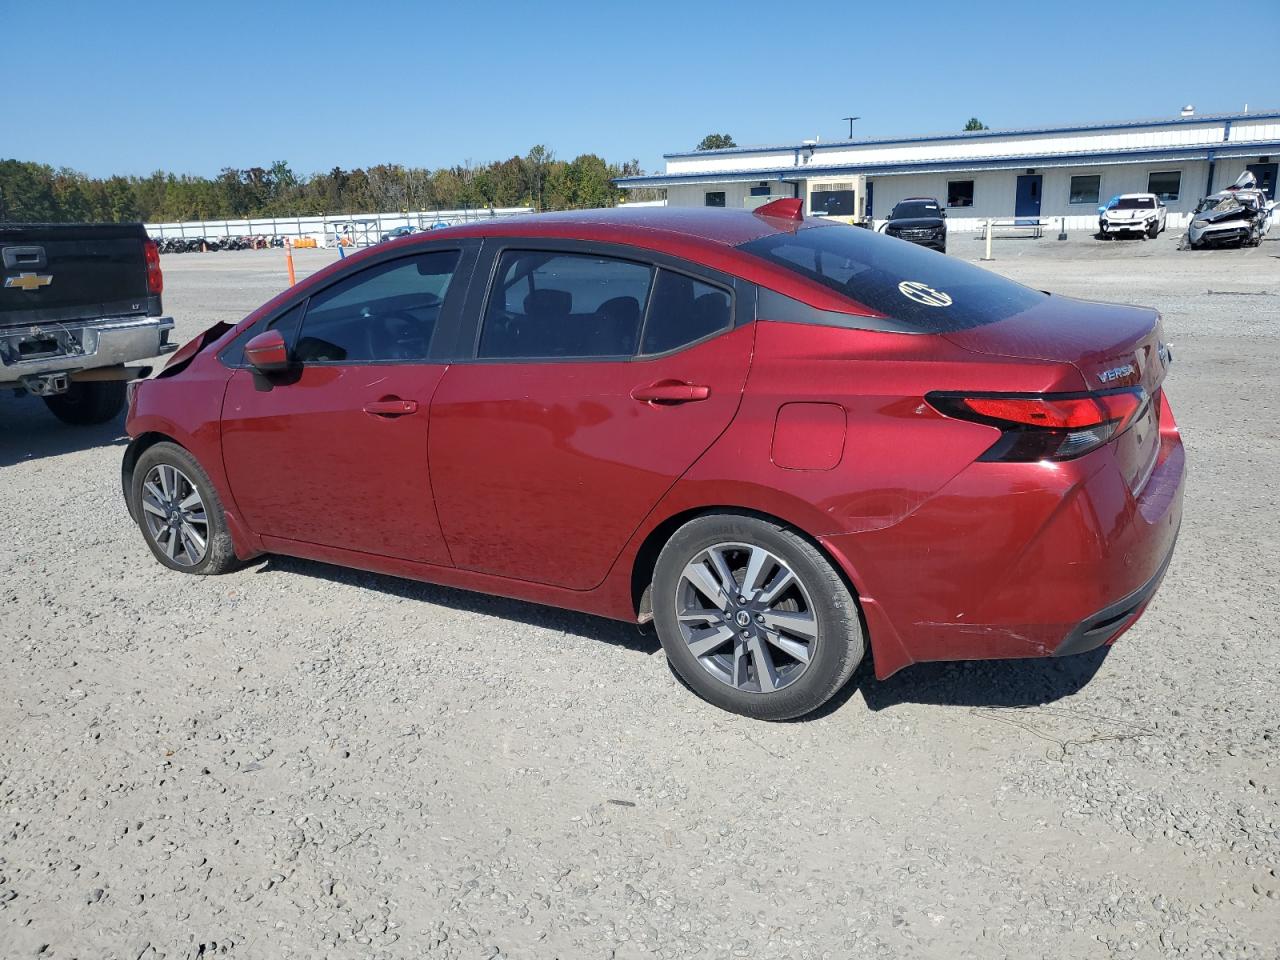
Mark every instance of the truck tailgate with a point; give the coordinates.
(55, 273)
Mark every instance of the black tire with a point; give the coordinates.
(89, 402)
(219, 555)
(835, 651)
(1153, 231)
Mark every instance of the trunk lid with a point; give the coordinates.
(58, 273)
(1111, 345)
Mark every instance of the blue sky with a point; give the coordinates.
(194, 87)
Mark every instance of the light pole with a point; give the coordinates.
(851, 119)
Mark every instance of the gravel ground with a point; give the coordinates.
(302, 761)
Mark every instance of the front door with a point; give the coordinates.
(1026, 205)
(1265, 174)
(596, 382)
(334, 451)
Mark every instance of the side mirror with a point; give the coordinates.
(267, 352)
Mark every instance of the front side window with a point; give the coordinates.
(547, 304)
(959, 193)
(1165, 185)
(714, 198)
(1085, 189)
(918, 290)
(386, 312)
(684, 311)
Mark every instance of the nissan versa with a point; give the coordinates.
(787, 442)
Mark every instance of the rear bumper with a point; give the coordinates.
(1018, 560)
(35, 350)
(1107, 624)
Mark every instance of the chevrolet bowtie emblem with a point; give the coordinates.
(28, 281)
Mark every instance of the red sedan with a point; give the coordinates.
(787, 442)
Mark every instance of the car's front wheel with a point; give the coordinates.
(754, 618)
(179, 512)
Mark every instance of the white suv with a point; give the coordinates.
(1141, 213)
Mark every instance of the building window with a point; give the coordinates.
(1085, 189)
(760, 191)
(959, 193)
(832, 203)
(1165, 185)
(715, 198)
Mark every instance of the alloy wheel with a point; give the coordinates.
(175, 515)
(747, 617)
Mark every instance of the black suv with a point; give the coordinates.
(920, 220)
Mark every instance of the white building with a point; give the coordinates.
(1050, 172)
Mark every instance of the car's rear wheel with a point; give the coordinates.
(754, 618)
(88, 402)
(180, 513)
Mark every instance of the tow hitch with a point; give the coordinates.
(46, 384)
(52, 384)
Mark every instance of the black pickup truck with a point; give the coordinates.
(78, 304)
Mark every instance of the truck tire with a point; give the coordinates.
(88, 403)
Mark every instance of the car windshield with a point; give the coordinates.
(915, 208)
(926, 292)
(1134, 203)
(1218, 204)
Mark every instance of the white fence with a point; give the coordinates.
(357, 228)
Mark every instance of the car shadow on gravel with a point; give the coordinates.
(30, 432)
(627, 635)
(974, 683)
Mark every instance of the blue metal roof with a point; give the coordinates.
(984, 134)
(808, 171)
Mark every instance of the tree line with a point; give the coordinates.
(41, 193)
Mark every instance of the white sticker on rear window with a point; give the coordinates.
(923, 293)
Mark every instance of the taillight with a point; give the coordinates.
(155, 279)
(1058, 426)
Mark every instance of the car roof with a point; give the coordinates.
(1134, 196)
(713, 225)
(709, 236)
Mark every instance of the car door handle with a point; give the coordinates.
(391, 408)
(671, 391)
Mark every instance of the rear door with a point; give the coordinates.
(334, 451)
(597, 376)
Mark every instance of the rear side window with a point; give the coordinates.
(546, 304)
(920, 291)
(386, 312)
(683, 311)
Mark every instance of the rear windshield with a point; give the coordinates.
(924, 291)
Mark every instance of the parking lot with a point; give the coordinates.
(297, 760)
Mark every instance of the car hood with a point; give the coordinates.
(914, 223)
(1110, 344)
(1225, 216)
(1129, 214)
